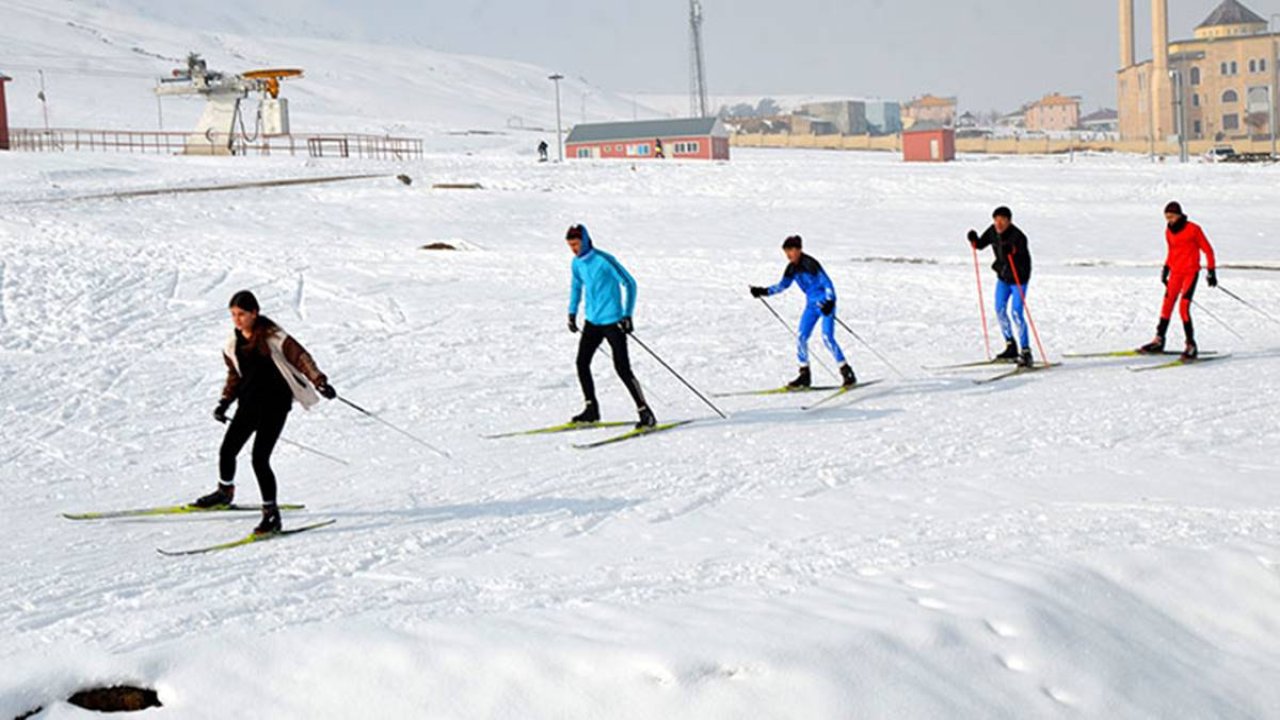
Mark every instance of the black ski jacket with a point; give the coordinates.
(1011, 243)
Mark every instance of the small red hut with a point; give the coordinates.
(929, 142)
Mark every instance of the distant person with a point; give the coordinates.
(1180, 275)
(1013, 274)
(658, 152)
(542, 151)
(266, 372)
(599, 277)
(820, 304)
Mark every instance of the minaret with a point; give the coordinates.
(1161, 87)
(1126, 34)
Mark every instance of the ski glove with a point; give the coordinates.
(1164, 275)
(626, 325)
(220, 414)
(759, 292)
(573, 323)
(828, 307)
(1213, 278)
(326, 391)
(973, 237)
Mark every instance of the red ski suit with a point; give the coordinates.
(1183, 261)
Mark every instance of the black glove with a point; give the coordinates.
(973, 237)
(573, 323)
(626, 325)
(1164, 275)
(828, 307)
(220, 414)
(759, 292)
(326, 391)
(1213, 278)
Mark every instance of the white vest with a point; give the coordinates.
(298, 383)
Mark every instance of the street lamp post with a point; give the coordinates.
(559, 137)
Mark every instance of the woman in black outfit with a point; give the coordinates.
(266, 371)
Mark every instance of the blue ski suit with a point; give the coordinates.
(818, 289)
(601, 277)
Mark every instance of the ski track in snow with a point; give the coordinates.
(1014, 528)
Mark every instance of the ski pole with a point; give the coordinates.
(405, 433)
(1219, 320)
(787, 325)
(1249, 305)
(982, 307)
(678, 376)
(305, 448)
(1030, 319)
(313, 451)
(875, 352)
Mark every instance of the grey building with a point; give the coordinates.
(848, 116)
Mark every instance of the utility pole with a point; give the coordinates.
(559, 138)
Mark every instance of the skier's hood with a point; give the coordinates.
(587, 245)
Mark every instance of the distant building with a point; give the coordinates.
(884, 117)
(967, 120)
(1101, 121)
(1053, 113)
(692, 138)
(929, 142)
(848, 116)
(929, 109)
(808, 125)
(1227, 72)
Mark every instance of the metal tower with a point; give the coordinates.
(697, 64)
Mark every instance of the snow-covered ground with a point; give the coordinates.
(1086, 542)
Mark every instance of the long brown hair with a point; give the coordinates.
(263, 326)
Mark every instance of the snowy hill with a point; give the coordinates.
(102, 59)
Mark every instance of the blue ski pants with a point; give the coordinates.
(1006, 294)
(813, 313)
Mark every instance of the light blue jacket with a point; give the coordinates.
(601, 277)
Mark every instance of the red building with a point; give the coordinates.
(686, 138)
(4, 114)
(928, 142)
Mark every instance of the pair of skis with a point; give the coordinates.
(177, 510)
(835, 392)
(1177, 361)
(580, 426)
(1014, 369)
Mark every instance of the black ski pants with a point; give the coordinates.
(592, 336)
(265, 424)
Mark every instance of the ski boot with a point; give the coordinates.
(847, 376)
(1192, 351)
(270, 520)
(224, 495)
(1024, 359)
(1155, 347)
(589, 414)
(803, 380)
(1010, 351)
(647, 420)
